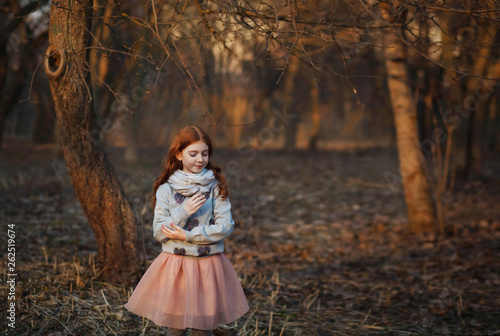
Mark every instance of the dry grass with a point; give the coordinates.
(326, 253)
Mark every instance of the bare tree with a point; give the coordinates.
(411, 162)
(93, 178)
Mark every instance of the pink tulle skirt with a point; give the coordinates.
(183, 292)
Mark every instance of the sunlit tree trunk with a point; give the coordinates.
(239, 112)
(94, 179)
(419, 204)
(235, 105)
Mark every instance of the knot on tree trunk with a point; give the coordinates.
(55, 61)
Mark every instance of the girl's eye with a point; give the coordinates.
(194, 154)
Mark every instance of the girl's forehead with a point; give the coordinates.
(199, 146)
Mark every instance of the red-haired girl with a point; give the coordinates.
(191, 284)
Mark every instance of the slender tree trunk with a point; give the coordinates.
(44, 125)
(239, 110)
(491, 122)
(93, 178)
(452, 100)
(316, 115)
(419, 204)
(4, 66)
(11, 96)
(99, 61)
(289, 87)
(477, 106)
(130, 154)
(3, 118)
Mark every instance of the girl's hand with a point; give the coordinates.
(194, 203)
(174, 232)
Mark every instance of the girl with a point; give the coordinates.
(191, 284)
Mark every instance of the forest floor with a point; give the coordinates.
(321, 245)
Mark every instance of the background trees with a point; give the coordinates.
(340, 70)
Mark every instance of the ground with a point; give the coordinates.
(321, 245)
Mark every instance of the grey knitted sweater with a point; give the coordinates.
(205, 229)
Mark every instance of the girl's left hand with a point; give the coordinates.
(174, 232)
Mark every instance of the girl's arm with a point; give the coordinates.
(163, 215)
(224, 224)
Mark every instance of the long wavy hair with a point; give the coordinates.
(187, 136)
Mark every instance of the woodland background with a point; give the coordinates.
(359, 138)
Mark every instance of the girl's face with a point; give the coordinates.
(194, 157)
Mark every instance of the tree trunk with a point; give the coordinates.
(316, 115)
(452, 99)
(12, 95)
(130, 137)
(419, 204)
(289, 88)
(477, 106)
(99, 61)
(44, 125)
(93, 178)
(492, 142)
(239, 110)
(10, 91)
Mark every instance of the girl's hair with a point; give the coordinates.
(187, 136)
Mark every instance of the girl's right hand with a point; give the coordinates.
(194, 203)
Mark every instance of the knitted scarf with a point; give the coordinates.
(188, 184)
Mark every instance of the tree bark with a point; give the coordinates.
(92, 175)
(419, 204)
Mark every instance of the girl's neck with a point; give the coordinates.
(190, 173)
